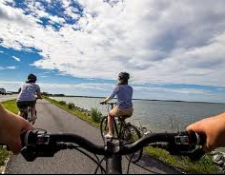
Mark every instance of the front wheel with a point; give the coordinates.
(104, 127)
(131, 135)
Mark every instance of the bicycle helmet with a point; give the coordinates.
(32, 78)
(124, 76)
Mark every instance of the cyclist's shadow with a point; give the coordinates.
(155, 166)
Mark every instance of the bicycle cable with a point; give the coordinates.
(97, 162)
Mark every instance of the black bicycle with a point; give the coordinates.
(26, 113)
(41, 144)
(125, 132)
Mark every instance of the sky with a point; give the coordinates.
(174, 50)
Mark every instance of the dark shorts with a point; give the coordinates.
(25, 104)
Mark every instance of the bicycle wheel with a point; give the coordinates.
(131, 135)
(104, 127)
(24, 114)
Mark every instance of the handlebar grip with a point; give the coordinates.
(28, 138)
(197, 139)
(201, 140)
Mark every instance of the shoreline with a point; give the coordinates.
(136, 99)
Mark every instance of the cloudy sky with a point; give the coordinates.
(173, 49)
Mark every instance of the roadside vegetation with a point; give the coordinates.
(204, 166)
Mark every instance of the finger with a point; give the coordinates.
(208, 148)
(195, 127)
(15, 147)
(25, 126)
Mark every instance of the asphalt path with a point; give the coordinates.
(54, 120)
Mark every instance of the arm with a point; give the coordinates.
(39, 95)
(214, 129)
(19, 90)
(112, 95)
(39, 92)
(11, 127)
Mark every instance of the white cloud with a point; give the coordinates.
(158, 41)
(16, 58)
(8, 68)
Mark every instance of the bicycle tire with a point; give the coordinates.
(104, 127)
(129, 137)
(25, 115)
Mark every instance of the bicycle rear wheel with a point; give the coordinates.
(104, 127)
(24, 114)
(131, 135)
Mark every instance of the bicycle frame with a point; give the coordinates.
(121, 130)
(25, 112)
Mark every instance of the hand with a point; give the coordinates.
(103, 103)
(214, 129)
(10, 132)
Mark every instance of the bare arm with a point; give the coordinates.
(11, 127)
(39, 95)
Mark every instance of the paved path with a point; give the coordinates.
(54, 120)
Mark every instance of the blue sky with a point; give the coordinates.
(174, 50)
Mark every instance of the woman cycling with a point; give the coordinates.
(27, 96)
(124, 94)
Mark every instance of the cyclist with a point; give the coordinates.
(11, 127)
(27, 95)
(124, 94)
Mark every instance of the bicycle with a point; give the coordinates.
(26, 114)
(126, 132)
(41, 144)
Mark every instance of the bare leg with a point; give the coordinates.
(110, 125)
(33, 109)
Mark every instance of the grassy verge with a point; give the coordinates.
(204, 166)
(4, 154)
(11, 106)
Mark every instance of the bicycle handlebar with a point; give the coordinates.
(40, 144)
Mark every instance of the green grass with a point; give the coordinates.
(204, 166)
(96, 115)
(11, 106)
(4, 154)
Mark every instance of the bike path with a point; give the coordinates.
(54, 120)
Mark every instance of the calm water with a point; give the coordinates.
(158, 116)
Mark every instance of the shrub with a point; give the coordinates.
(96, 115)
(62, 103)
(71, 106)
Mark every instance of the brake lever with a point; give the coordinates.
(31, 154)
